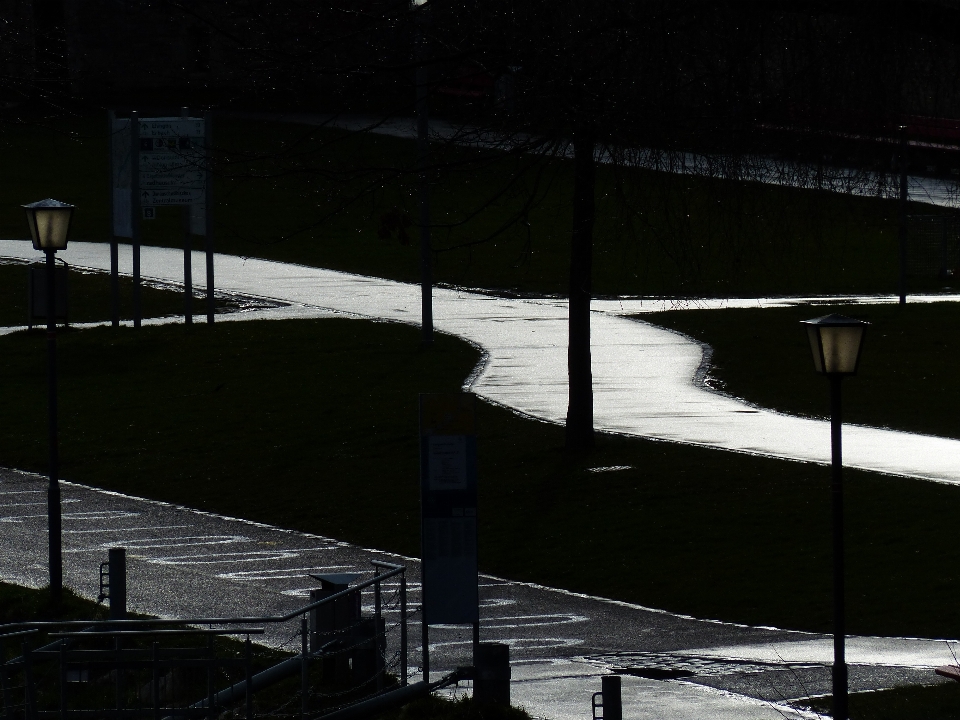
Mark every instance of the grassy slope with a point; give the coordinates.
(312, 425)
(691, 235)
(907, 378)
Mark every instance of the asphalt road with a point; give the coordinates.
(188, 564)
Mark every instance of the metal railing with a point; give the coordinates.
(128, 668)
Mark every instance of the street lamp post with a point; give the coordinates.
(422, 14)
(836, 342)
(49, 222)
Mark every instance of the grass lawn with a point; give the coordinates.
(319, 197)
(907, 378)
(313, 425)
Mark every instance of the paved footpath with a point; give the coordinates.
(186, 563)
(645, 377)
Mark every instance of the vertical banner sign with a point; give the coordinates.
(448, 503)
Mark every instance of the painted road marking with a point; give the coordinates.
(282, 573)
(185, 541)
(224, 558)
(107, 515)
(130, 529)
(545, 643)
(28, 504)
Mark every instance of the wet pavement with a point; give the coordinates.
(646, 379)
(185, 563)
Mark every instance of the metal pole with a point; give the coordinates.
(187, 267)
(304, 671)
(211, 669)
(155, 684)
(378, 656)
(423, 149)
(839, 630)
(425, 638)
(403, 629)
(53, 489)
(187, 253)
(208, 210)
(476, 642)
(424, 627)
(63, 680)
(249, 688)
(903, 215)
(135, 211)
(114, 244)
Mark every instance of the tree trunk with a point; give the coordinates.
(580, 403)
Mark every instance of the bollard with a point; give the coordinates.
(612, 702)
(491, 682)
(117, 562)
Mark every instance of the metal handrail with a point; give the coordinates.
(397, 570)
(139, 633)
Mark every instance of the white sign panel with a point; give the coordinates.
(171, 161)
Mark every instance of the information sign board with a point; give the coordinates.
(172, 169)
(448, 492)
(171, 160)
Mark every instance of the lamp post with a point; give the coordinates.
(422, 15)
(836, 341)
(49, 222)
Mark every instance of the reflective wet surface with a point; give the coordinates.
(645, 377)
(186, 563)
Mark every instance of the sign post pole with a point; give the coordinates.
(187, 253)
(208, 208)
(135, 211)
(114, 244)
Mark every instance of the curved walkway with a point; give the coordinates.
(644, 376)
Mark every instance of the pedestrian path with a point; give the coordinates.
(645, 377)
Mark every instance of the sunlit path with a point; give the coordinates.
(644, 376)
